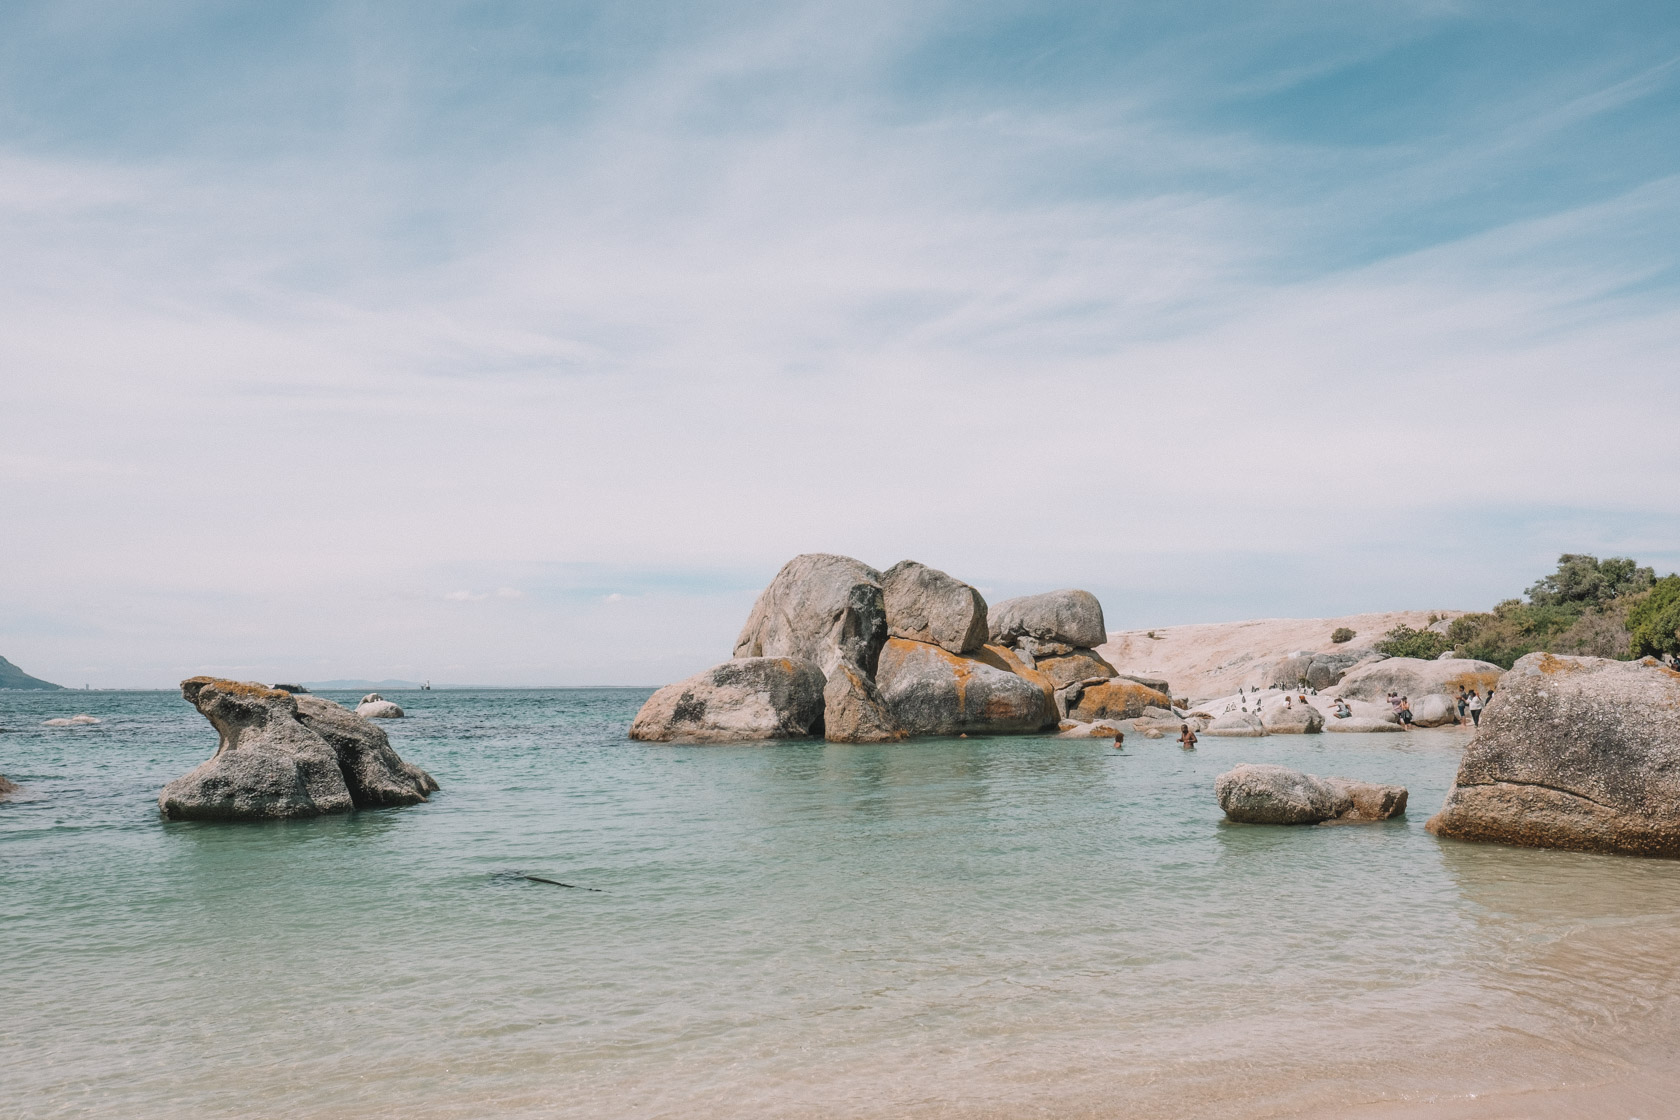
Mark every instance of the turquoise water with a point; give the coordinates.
(985, 927)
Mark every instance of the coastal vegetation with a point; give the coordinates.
(1600, 608)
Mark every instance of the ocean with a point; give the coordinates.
(1005, 927)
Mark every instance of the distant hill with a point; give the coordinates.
(356, 685)
(13, 677)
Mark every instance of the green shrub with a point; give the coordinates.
(1403, 641)
(1586, 581)
(1341, 634)
(1653, 621)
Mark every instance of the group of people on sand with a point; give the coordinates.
(1186, 738)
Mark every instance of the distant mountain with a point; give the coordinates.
(356, 685)
(13, 677)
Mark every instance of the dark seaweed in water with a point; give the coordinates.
(511, 876)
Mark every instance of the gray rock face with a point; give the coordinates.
(1298, 719)
(1159, 684)
(1076, 665)
(925, 605)
(853, 710)
(820, 608)
(1318, 670)
(375, 706)
(746, 699)
(1360, 724)
(1264, 794)
(1058, 621)
(1435, 710)
(375, 774)
(1239, 725)
(932, 691)
(1417, 678)
(1574, 752)
(270, 763)
(1116, 698)
(1370, 801)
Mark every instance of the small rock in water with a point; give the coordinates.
(375, 706)
(1266, 794)
(73, 721)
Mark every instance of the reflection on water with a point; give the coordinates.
(977, 927)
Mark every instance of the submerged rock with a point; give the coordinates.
(7, 786)
(931, 691)
(271, 763)
(820, 608)
(748, 698)
(1057, 621)
(853, 710)
(1574, 752)
(924, 604)
(1360, 724)
(375, 706)
(72, 721)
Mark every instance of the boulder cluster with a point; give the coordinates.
(836, 648)
(284, 755)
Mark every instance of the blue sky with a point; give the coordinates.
(522, 343)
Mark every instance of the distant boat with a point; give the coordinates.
(427, 687)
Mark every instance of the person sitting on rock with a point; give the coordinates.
(1286, 702)
(1186, 737)
(1342, 710)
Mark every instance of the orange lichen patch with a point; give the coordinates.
(246, 690)
(1550, 664)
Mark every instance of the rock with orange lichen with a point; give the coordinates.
(1119, 698)
(932, 691)
(749, 698)
(926, 605)
(820, 608)
(1574, 752)
(271, 763)
(1076, 665)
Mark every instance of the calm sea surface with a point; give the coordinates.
(1012, 927)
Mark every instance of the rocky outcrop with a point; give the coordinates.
(273, 761)
(853, 710)
(13, 677)
(924, 604)
(1416, 678)
(820, 608)
(746, 699)
(1055, 622)
(1435, 710)
(1318, 670)
(1360, 725)
(1116, 698)
(931, 691)
(1159, 684)
(1240, 725)
(1075, 665)
(1574, 752)
(375, 706)
(1297, 719)
(1265, 794)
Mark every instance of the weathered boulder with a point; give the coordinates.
(820, 608)
(1058, 622)
(1297, 719)
(1574, 752)
(1264, 794)
(853, 711)
(1417, 678)
(1360, 724)
(1159, 684)
(375, 774)
(1370, 801)
(1076, 665)
(931, 691)
(924, 604)
(1435, 710)
(748, 698)
(1241, 725)
(375, 706)
(1318, 670)
(1076, 729)
(270, 763)
(1117, 698)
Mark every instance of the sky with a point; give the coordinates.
(520, 344)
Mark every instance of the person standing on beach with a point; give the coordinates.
(1186, 737)
(1474, 706)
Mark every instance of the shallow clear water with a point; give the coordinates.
(986, 927)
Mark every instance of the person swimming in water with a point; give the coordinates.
(1186, 737)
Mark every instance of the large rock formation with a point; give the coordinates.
(1318, 670)
(1574, 752)
(820, 608)
(1117, 698)
(741, 700)
(1416, 678)
(853, 710)
(274, 760)
(1054, 623)
(1296, 719)
(1076, 665)
(925, 605)
(1435, 710)
(1265, 794)
(932, 691)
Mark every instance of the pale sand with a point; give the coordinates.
(1206, 660)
